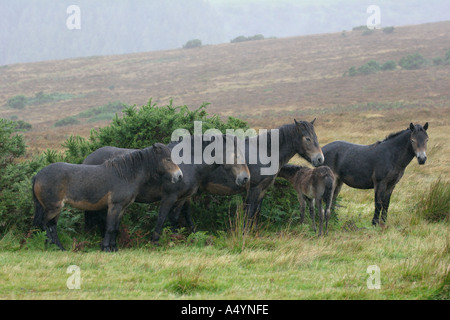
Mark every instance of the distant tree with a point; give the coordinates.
(239, 39)
(195, 43)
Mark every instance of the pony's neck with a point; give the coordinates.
(403, 149)
(287, 149)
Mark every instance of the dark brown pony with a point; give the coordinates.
(378, 166)
(111, 186)
(313, 185)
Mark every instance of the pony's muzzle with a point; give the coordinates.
(177, 176)
(318, 159)
(421, 157)
(242, 179)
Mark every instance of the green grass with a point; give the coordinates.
(292, 264)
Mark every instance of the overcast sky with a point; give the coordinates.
(36, 30)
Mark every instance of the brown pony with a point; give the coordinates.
(112, 186)
(313, 185)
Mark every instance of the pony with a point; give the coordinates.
(173, 196)
(378, 166)
(111, 186)
(313, 185)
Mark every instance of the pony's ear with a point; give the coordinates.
(411, 126)
(312, 122)
(298, 126)
(157, 147)
(425, 126)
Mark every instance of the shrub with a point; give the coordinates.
(140, 128)
(389, 65)
(67, 121)
(16, 205)
(250, 38)
(368, 32)
(352, 71)
(412, 61)
(437, 61)
(239, 39)
(370, 67)
(195, 43)
(17, 102)
(388, 29)
(447, 56)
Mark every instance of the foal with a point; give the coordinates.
(313, 185)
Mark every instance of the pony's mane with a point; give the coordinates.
(128, 165)
(390, 137)
(289, 170)
(393, 135)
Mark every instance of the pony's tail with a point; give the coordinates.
(38, 220)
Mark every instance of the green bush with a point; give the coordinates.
(370, 67)
(140, 128)
(17, 102)
(22, 125)
(412, 61)
(437, 61)
(389, 65)
(16, 205)
(352, 71)
(67, 121)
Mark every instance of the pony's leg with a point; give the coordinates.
(327, 215)
(166, 204)
(113, 218)
(251, 202)
(186, 210)
(49, 225)
(320, 212)
(328, 199)
(338, 185)
(52, 234)
(253, 206)
(174, 216)
(302, 203)
(385, 203)
(312, 213)
(95, 220)
(380, 194)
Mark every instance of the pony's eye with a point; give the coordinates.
(308, 139)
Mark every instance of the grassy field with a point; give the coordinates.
(412, 259)
(266, 83)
